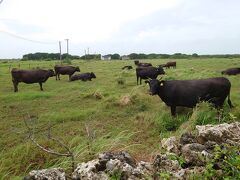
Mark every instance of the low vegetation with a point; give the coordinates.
(70, 107)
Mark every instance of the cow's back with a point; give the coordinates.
(29, 76)
(64, 69)
(82, 76)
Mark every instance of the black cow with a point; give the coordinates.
(30, 76)
(65, 70)
(169, 64)
(231, 71)
(137, 63)
(83, 77)
(127, 67)
(188, 93)
(148, 72)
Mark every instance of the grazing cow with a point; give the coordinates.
(148, 72)
(65, 70)
(137, 63)
(169, 64)
(83, 77)
(127, 67)
(188, 93)
(231, 71)
(30, 76)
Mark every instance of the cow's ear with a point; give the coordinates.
(161, 83)
(147, 81)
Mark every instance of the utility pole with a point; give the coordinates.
(60, 52)
(88, 51)
(67, 46)
(85, 53)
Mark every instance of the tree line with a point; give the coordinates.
(56, 56)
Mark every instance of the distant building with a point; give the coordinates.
(125, 57)
(106, 57)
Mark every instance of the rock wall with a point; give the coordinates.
(195, 149)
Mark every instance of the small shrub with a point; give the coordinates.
(98, 95)
(225, 163)
(165, 122)
(67, 61)
(204, 114)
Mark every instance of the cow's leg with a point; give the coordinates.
(40, 84)
(140, 80)
(173, 110)
(137, 80)
(56, 76)
(229, 101)
(69, 77)
(15, 85)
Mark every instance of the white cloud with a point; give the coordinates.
(79, 20)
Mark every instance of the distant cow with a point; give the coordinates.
(65, 70)
(137, 63)
(231, 71)
(148, 72)
(83, 77)
(188, 93)
(127, 67)
(169, 64)
(30, 76)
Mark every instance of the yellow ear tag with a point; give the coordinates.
(161, 84)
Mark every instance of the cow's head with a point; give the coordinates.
(93, 75)
(155, 86)
(160, 70)
(77, 69)
(51, 73)
(136, 62)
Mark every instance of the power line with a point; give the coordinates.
(27, 39)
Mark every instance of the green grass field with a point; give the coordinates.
(72, 106)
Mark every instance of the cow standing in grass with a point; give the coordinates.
(30, 76)
(148, 72)
(188, 93)
(169, 64)
(65, 70)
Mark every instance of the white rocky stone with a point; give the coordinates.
(219, 133)
(170, 144)
(50, 174)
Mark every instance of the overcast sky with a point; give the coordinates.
(120, 26)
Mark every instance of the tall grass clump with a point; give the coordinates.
(204, 114)
(165, 122)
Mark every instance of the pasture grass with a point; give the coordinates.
(70, 107)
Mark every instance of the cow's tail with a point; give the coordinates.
(229, 101)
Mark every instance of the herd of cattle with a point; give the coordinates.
(40, 75)
(173, 93)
